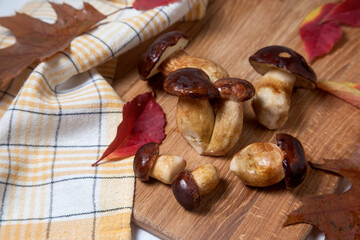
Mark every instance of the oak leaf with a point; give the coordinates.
(349, 92)
(337, 215)
(143, 122)
(150, 4)
(38, 40)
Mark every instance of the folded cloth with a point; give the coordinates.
(57, 119)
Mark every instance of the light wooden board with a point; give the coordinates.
(327, 126)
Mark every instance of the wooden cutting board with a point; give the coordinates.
(328, 127)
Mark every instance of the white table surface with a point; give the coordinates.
(8, 7)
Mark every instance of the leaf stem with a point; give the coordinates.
(96, 163)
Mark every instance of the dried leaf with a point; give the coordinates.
(143, 122)
(36, 39)
(337, 215)
(349, 92)
(150, 4)
(347, 12)
(318, 36)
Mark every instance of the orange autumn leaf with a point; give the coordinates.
(349, 92)
(337, 215)
(38, 40)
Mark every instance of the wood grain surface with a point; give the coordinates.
(328, 127)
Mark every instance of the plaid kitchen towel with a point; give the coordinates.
(58, 117)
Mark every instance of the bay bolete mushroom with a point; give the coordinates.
(235, 89)
(283, 68)
(209, 130)
(159, 50)
(264, 164)
(148, 163)
(189, 187)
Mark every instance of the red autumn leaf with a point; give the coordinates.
(349, 92)
(337, 215)
(347, 12)
(36, 39)
(318, 36)
(143, 122)
(150, 4)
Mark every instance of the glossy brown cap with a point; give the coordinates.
(144, 160)
(235, 89)
(190, 82)
(153, 56)
(294, 162)
(186, 190)
(287, 60)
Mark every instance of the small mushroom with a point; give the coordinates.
(283, 68)
(235, 89)
(161, 49)
(189, 187)
(264, 164)
(209, 130)
(148, 163)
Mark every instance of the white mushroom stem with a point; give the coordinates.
(271, 102)
(208, 131)
(166, 167)
(227, 128)
(195, 120)
(259, 164)
(206, 177)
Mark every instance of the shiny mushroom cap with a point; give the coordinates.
(294, 162)
(186, 191)
(190, 82)
(144, 160)
(235, 89)
(285, 59)
(162, 48)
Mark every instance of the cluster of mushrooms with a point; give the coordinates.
(210, 117)
(188, 186)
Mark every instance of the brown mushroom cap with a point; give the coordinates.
(235, 89)
(161, 48)
(287, 60)
(294, 162)
(186, 190)
(144, 160)
(190, 82)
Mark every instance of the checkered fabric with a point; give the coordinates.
(57, 118)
